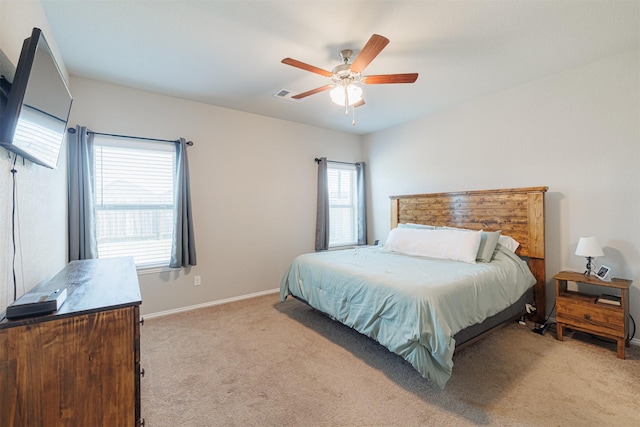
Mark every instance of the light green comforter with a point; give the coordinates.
(411, 305)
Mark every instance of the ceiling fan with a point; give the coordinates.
(346, 77)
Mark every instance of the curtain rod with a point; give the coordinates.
(190, 143)
(317, 160)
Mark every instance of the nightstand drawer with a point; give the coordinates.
(588, 315)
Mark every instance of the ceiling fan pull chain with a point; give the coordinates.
(353, 120)
(346, 101)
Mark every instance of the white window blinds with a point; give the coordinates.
(343, 209)
(134, 197)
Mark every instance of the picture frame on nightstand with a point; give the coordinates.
(603, 272)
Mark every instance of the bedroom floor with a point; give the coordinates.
(259, 362)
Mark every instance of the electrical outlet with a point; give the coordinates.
(197, 281)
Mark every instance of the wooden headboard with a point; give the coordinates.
(518, 212)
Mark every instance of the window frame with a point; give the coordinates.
(353, 204)
(99, 205)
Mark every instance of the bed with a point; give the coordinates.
(422, 307)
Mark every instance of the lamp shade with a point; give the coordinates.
(339, 93)
(589, 247)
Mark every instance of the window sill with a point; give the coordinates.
(340, 248)
(154, 269)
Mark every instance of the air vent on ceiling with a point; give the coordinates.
(286, 94)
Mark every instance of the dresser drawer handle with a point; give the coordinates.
(142, 372)
(142, 321)
(587, 316)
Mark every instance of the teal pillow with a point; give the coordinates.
(488, 243)
(420, 226)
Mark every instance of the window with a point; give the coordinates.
(134, 199)
(343, 204)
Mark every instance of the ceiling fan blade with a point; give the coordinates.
(312, 92)
(382, 79)
(369, 52)
(307, 67)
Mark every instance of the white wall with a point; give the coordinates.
(41, 218)
(253, 187)
(577, 132)
(253, 178)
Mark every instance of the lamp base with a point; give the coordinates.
(590, 268)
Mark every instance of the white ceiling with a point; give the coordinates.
(228, 53)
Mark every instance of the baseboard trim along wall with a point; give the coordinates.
(210, 304)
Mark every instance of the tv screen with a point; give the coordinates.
(37, 107)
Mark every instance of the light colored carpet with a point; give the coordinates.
(261, 363)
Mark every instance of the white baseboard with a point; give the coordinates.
(210, 304)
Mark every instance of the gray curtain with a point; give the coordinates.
(322, 216)
(81, 222)
(362, 204)
(183, 249)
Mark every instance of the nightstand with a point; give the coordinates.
(581, 312)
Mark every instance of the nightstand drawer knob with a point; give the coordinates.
(587, 316)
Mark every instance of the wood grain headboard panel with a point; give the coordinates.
(518, 212)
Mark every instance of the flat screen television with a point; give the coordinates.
(35, 112)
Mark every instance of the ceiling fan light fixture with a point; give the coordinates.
(344, 88)
(346, 95)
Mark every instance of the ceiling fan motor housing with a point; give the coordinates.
(345, 55)
(343, 72)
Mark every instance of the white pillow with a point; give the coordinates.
(509, 242)
(455, 245)
(488, 243)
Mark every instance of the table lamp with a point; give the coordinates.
(589, 247)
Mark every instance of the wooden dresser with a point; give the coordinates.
(79, 366)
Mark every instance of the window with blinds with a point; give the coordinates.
(343, 206)
(134, 199)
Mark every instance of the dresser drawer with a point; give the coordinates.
(589, 316)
